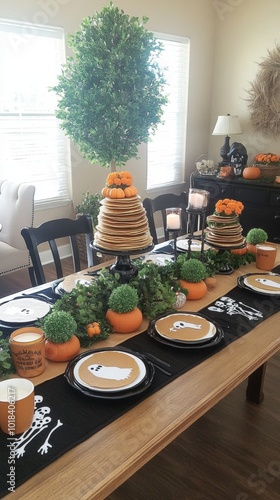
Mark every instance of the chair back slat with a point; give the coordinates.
(49, 232)
(159, 204)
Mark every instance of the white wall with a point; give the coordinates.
(246, 29)
(195, 19)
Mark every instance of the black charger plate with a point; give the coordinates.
(123, 392)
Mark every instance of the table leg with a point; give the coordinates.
(254, 392)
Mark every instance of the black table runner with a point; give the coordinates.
(65, 417)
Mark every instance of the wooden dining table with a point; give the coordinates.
(97, 466)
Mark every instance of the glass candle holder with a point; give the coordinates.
(198, 199)
(173, 219)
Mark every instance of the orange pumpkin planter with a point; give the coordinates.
(195, 290)
(251, 248)
(252, 172)
(125, 322)
(239, 251)
(192, 275)
(64, 351)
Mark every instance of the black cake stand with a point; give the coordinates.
(123, 265)
(226, 268)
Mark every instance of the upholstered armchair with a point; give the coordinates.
(16, 212)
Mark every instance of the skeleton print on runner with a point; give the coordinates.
(41, 421)
(231, 307)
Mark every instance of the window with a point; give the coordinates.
(166, 151)
(33, 148)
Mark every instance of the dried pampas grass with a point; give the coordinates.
(264, 96)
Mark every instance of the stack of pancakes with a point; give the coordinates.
(224, 232)
(122, 225)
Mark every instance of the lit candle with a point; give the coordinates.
(196, 200)
(173, 222)
(27, 337)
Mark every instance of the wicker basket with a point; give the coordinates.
(82, 248)
(268, 172)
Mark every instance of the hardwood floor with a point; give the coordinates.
(231, 453)
(19, 280)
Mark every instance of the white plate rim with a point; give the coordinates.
(261, 290)
(139, 378)
(195, 245)
(16, 303)
(157, 258)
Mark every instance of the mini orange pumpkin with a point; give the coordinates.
(116, 193)
(225, 171)
(252, 172)
(130, 191)
(105, 191)
(93, 329)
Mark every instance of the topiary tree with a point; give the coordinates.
(111, 90)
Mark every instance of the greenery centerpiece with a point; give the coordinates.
(111, 90)
(6, 361)
(156, 287)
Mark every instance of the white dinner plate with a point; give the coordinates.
(23, 310)
(72, 281)
(160, 259)
(263, 283)
(183, 245)
(109, 372)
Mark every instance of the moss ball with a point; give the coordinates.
(123, 299)
(193, 270)
(256, 235)
(59, 326)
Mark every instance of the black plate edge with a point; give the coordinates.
(179, 345)
(249, 289)
(122, 393)
(185, 342)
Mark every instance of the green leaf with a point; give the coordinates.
(111, 91)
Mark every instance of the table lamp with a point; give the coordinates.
(226, 125)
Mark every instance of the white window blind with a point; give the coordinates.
(166, 150)
(32, 146)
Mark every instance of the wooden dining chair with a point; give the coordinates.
(159, 204)
(49, 232)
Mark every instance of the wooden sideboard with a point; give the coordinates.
(261, 201)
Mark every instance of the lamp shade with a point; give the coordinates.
(227, 125)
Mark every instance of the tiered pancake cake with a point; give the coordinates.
(224, 229)
(122, 222)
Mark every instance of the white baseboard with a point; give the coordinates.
(64, 251)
